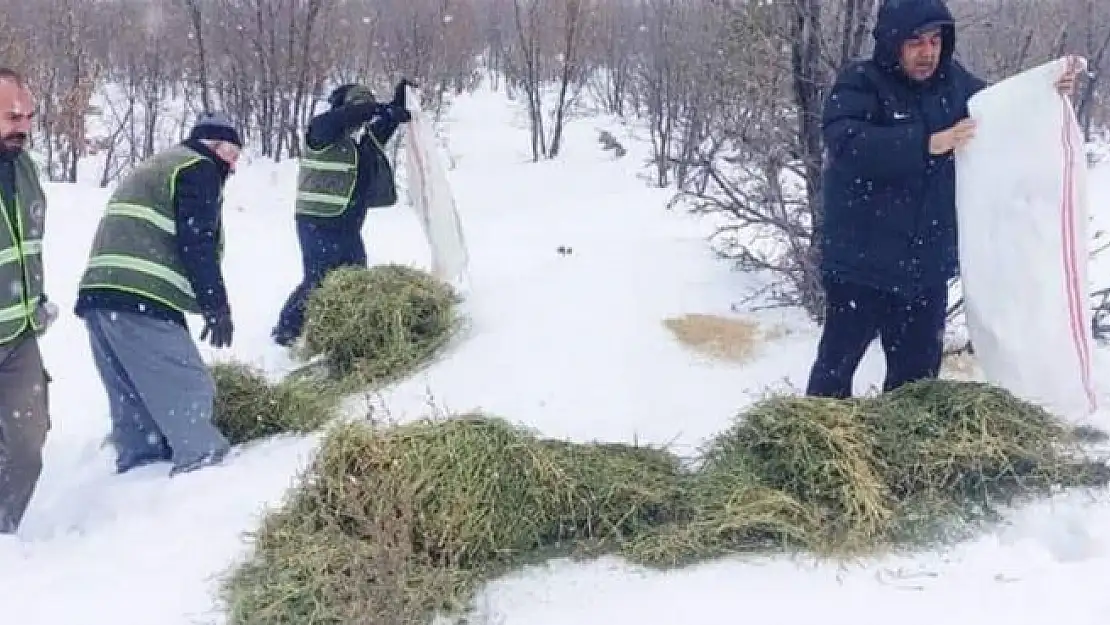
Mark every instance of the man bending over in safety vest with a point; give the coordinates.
(156, 256)
(338, 180)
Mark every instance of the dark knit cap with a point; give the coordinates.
(215, 127)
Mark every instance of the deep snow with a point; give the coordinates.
(572, 345)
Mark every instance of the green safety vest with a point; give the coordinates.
(21, 268)
(326, 178)
(134, 249)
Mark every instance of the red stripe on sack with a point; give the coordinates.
(1071, 272)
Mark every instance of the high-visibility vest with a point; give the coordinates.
(21, 267)
(326, 178)
(135, 247)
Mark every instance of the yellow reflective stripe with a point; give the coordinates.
(318, 165)
(13, 313)
(145, 213)
(118, 261)
(323, 198)
(12, 254)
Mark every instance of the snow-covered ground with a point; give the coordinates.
(571, 344)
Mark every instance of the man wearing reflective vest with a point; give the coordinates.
(154, 258)
(24, 311)
(339, 178)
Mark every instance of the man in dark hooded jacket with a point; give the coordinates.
(339, 179)
(891, 125)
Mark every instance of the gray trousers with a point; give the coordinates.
(160, 392)
(24, 422)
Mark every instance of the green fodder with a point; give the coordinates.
(859, 476)
(613, 492)
(390, 525)
(379, 324)
(818, 452)
(726, 514)
(249, 407)
(440, 505)
(953, 451)
(308, 569)
(792, 472)
(478, 486)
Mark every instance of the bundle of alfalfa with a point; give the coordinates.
(249, 407)
(378, 324)
(398, 523)
(849, 477)
(961, 449)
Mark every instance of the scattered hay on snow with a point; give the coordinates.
(312, 570)
(249, 407)
(405, 521)
(379, 324)
(963, 448)
(851, 477)
(718, 337)
(440, 505)
(614, 492)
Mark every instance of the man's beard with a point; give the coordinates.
(925, 68)
(13, 142)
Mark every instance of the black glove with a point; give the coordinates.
(218, 329)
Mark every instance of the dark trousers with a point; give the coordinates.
(911, 330)
(322, 250)
(24, 423)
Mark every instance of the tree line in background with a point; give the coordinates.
(730, 91)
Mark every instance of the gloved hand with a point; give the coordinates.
(399, 92)
(218, 329)
(46, 313)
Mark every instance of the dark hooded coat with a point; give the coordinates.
(890, 207)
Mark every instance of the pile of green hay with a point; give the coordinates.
(405, 521)
(379, 324)
(860, 476)
(391, 525)
(249, 407)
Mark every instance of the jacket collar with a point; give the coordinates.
(204, 150)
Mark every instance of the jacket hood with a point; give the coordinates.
(898, 20)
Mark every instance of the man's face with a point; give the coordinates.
(921, 55)
(229, 152)
(16, 110)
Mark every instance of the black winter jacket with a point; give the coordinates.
(890, 207)
(198, 215)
